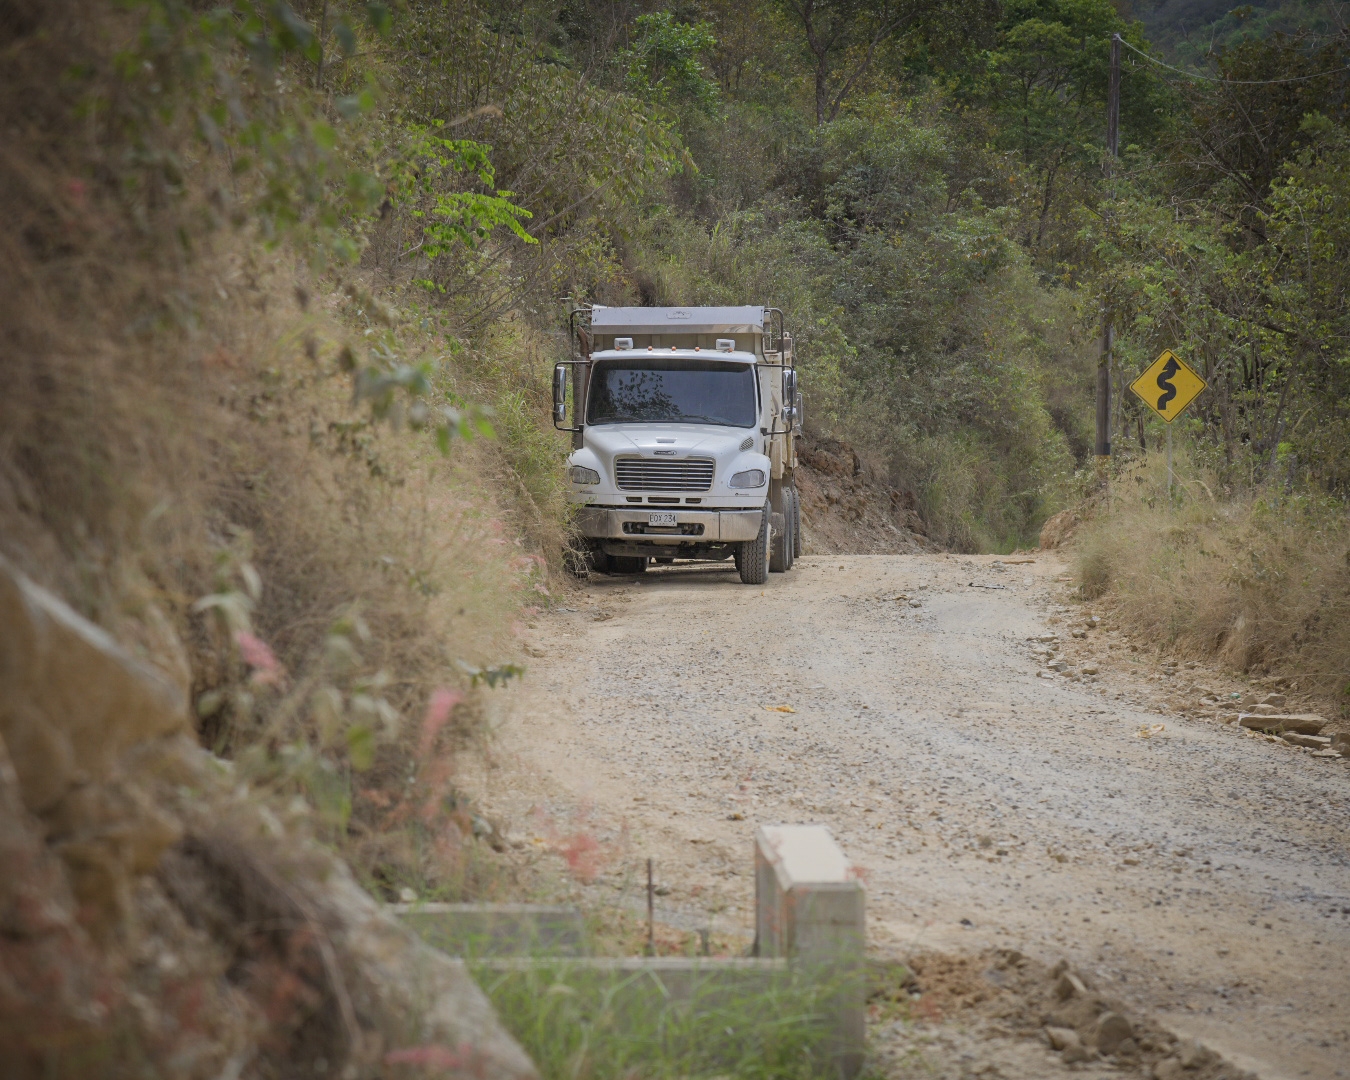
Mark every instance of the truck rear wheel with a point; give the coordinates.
(752, 556)
(796, 521)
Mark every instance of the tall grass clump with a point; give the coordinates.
(1258, 580)
(583, 1024)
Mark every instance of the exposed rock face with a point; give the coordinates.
(155, 917)
(73, 707)
(849, 507)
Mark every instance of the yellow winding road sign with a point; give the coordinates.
(1167, 386)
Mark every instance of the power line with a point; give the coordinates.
(1230, 82)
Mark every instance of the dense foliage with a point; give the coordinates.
(919, 183)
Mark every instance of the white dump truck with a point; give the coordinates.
(683, 423)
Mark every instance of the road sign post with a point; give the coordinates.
(1168, 386)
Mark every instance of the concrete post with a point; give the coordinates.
(809, 907)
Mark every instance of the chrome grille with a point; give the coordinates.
(643, 474)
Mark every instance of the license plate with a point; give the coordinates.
(661, 519)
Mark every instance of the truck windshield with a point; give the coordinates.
(672, 390)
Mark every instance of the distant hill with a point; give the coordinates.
(1189, 29)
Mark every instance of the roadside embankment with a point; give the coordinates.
(1257, 582)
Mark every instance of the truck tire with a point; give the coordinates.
(627, 564)
(752, 556)
(796, 522)
(780, 544)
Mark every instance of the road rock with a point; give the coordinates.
(1168, 1069)
(1194, 1056)
(1110, 1031)
(1316, 742)
(1303, 723)
(1062, 1038)
(1277, 700)
(1069, 986)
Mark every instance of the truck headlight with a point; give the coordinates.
(579, 474)
(750, 478)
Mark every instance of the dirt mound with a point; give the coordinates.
(928, 1014)
(850, 508)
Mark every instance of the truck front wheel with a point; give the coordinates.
(752, 556)
(628, 564)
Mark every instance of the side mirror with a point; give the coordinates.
(560, 376)
(790, 395)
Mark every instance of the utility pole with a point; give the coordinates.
(1108, 330)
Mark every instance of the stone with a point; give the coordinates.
(1090, 669)
(1341, 741)
(1168, 1069)
(1316, 742)
(71, 699)
(1265, 710)
(916, 603)
(1276, 700)
(80, 717)
(1074, 1054)
(1193, 1055)
(1110, 1031)
(1069, 985)
(1062, 1037)
(1303, 723)
(1127, 1048)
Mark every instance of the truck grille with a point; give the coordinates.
(643, 474)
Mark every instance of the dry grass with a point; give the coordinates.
(175, 421)
(1260, 582)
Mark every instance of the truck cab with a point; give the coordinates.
(683, 423)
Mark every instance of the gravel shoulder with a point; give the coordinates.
(1196, 873)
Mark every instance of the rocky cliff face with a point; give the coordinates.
(849, 508)
(157, 918)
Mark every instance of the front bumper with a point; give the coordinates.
(696, 526)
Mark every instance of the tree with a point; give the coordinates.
(846, 37)
(1045, 80)
(663, 62)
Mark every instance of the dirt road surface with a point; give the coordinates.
(1199, 874)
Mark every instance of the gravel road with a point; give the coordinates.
(1199, 874)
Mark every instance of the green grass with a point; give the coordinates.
(581, 1024)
